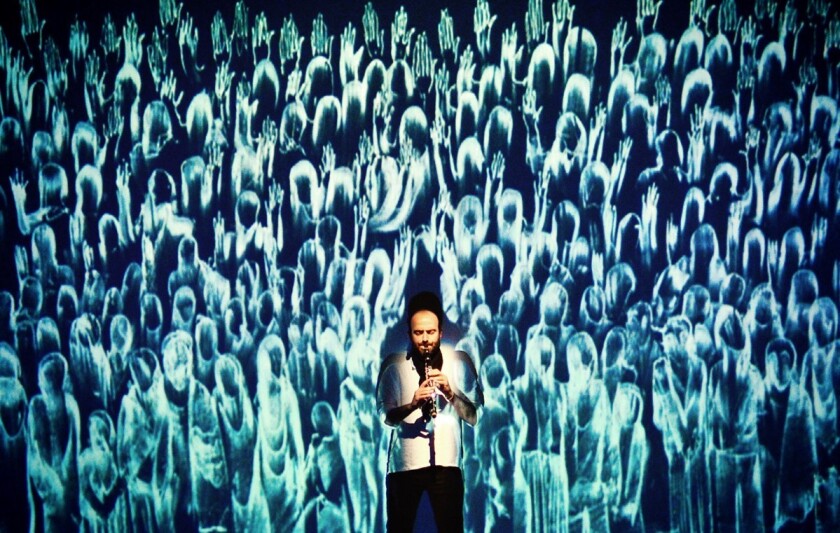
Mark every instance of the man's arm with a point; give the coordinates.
(388, 394)
(465, 408)
(396, 415)
(423, 394)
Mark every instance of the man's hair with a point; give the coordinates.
(424, 301)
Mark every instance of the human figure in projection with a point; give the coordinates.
(13, 440)
(542, 464)
(736, 401)
(53, 427)
(424, 394)
(637, 226)
(679, 411)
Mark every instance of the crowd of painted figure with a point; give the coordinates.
(213, 231)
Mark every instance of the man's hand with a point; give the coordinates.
(423, 394)
(440, 382)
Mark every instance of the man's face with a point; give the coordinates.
(425, 332)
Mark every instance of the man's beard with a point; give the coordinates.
(428, 349)
(432, 353)
(431, 350)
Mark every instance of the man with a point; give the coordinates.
(423, 395)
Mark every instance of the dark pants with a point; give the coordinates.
(445, 486)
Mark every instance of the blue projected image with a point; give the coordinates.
(214, 214)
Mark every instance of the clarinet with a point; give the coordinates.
(432, 406)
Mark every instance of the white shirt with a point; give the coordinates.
(417, 443)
